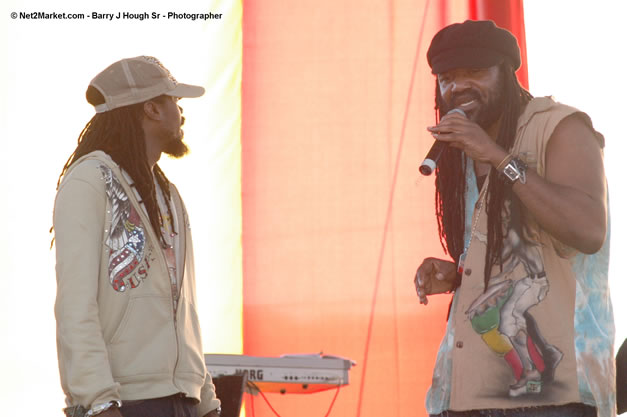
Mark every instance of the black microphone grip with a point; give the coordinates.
(434, 154)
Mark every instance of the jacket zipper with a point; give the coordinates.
(182, 235)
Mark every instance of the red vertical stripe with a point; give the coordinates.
(509, 15)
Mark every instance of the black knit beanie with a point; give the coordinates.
(472, 44)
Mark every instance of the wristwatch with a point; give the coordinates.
(515, 170)
(215, 412)
(101, 408)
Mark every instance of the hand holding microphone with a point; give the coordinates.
(434, 154)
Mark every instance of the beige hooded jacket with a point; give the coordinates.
(118, 335)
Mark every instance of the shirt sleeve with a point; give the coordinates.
(79, 218)
(208, 399)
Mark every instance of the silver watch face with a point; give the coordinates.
(511, 172)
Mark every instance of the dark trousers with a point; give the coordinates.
(172, 406)
(568, 410)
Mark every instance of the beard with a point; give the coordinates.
(490, 112)
(175, 147)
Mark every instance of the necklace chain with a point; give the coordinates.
(475, 223)
(475, 219)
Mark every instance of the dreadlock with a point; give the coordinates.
(119, 134)
(450, 207)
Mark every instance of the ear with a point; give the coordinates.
(152, 110)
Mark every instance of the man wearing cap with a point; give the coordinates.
(521, 204)
(128, 335)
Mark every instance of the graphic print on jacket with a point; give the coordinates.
(126, 241)
(500, 315)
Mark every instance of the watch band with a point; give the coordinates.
(101, 408)
(515, 170)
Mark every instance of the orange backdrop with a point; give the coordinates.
(336, 96)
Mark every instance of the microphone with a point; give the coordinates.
(434, 154)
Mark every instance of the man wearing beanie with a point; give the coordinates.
(521, 204)
(128, 337)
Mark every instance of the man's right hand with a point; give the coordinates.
(434, 276)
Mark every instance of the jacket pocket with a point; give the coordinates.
(145, 342)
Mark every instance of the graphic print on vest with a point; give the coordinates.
(501, 314)
(128, 265)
